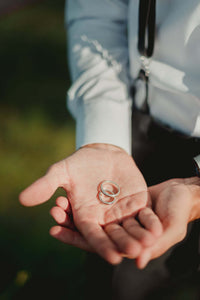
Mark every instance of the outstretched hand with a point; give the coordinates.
(97, 224)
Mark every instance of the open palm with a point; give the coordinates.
(80, 176)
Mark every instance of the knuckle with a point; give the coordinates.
(115, 231)
(132, 227)
(52, 168)
(130, 223)
(146, 239)
(146, 212)
(111, 228)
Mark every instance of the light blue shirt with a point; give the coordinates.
(103, 60)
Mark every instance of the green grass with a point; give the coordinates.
(36, 131)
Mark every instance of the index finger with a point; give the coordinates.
(100, 242)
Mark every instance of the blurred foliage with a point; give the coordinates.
(36, 130)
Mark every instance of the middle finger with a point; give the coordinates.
(137, 232)
(126, 244)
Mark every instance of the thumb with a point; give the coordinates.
(170, 237)
(41, 190)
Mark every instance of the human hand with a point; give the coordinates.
(80, 175)
(176, 203)
(135, 237)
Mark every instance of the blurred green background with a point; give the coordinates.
(36, 130)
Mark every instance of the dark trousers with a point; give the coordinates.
(160, 155)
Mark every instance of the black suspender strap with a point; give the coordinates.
(146, 28)
(146, 38)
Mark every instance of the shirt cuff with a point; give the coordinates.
(104, 121)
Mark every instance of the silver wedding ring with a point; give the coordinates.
(104, 201)
(109, 193)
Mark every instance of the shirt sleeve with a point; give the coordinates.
(98, 60)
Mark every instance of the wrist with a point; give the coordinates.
(104, 146)
(195, 202)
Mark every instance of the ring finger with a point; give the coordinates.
(125, 243)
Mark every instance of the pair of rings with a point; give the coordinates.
(112, 194)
